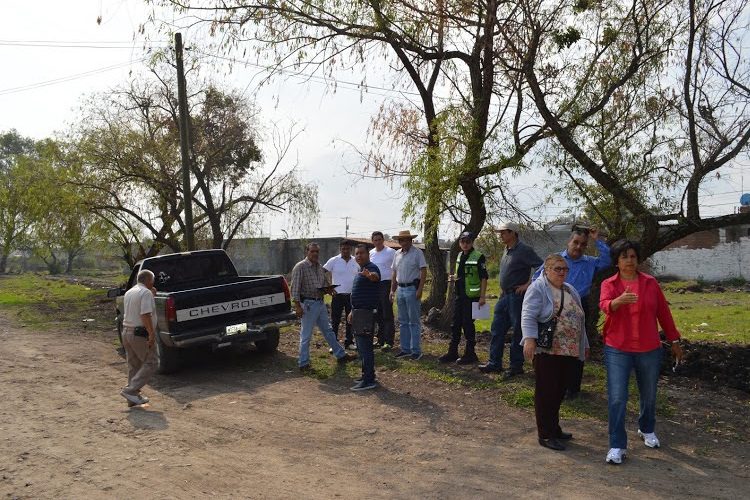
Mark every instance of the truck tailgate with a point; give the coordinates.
(226, 304)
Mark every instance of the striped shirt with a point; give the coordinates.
(306, 279)
(365, 293)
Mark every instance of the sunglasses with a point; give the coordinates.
(559, 269)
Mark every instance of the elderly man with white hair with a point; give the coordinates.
(139, 336)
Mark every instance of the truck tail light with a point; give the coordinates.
(171, 310)
(287, 293)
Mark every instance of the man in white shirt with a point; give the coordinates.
(382, 256)
(139, 336)
(343, 269)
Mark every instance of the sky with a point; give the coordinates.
(54, 53)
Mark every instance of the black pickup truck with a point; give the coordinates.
(201, 300)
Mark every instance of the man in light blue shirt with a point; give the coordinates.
(583, 268)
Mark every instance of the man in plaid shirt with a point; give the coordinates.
(309, 284)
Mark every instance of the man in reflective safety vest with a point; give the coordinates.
(471, 284)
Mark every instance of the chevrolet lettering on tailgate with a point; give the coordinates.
(231, 306)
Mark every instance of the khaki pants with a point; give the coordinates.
(141, 361)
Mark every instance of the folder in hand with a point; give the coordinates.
(480, 312)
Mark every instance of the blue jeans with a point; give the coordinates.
(316, 314)
(409, 319)
(507, 315)
(619, 365)
(367, 356)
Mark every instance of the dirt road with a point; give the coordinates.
(240, 425)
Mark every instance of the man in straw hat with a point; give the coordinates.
(409, 274)
(516, 265)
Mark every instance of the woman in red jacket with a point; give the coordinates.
(633, 302)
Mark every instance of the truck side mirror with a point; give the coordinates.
(115, 292)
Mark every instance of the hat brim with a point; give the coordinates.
(409, 237)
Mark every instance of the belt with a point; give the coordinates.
(302, 298)
(404, 285)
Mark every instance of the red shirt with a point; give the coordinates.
(632, 327)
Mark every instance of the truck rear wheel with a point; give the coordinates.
(168, 358)
(271, 343)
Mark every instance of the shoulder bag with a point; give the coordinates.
(547, 328)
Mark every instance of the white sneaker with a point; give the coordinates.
(649, 439)
(615, 456)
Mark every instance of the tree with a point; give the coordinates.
(454, 145)
(647, 100)
(16, 179)
(127, 146)
(62, 225)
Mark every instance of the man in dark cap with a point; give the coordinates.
(471, 284)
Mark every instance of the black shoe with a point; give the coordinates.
(467, 359)
(403, 355)
(565, 435)
(305, 368)
(552, 444)
(488, 368)
(346, 358)
(512, 372)
(448, 357)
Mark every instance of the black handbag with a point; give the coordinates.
(363, 322)
(547, 328)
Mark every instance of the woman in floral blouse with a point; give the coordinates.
(556, 365)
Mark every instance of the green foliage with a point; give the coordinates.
(566, 38)
(19, 203)
(127, 151)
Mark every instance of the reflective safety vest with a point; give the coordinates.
(472, 282)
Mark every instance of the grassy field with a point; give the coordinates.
(723, 316)
(710, 316)
(33, 300)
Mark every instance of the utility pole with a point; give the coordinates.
(187, 195)
(346, 227)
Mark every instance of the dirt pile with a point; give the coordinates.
(719, 362)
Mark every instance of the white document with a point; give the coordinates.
(480, 312)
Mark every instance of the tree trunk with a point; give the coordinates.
(3, 262)
(436, 264)
(69, 263)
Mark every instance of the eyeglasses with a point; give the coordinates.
(559, 269)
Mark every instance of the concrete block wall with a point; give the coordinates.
(725, 260)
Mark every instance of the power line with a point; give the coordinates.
(347, 85)
(74, 45)
(64, 79)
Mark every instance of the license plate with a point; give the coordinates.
(235, 329)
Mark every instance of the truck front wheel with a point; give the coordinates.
(168, 358)
(271, 342)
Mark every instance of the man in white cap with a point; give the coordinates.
(409, 274)
(516, 266)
